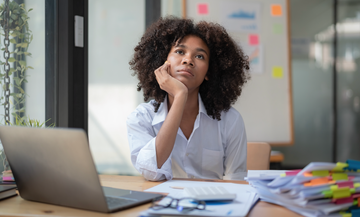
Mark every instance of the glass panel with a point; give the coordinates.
(311, 82)
(171, 7)
(115, 27)
(348, 92)
(29, 55)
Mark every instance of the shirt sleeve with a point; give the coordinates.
(141, 137)
(236, 151)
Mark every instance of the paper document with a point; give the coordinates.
(320, 189)
(246, 196)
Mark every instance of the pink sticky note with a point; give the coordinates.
(292, 172)
(349, 184)
(203, 9)
(343, 200)
(7, 178)
(253, 39)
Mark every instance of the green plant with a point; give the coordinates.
(21, 38)
(27, 122)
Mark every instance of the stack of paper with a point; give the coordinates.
(320, 189)
(7, 176)
(246, 197)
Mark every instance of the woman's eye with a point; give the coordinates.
(199, 56)
(179, 52)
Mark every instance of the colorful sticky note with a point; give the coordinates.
(320, 173)
(202, 9)
(339, 176)
(292, 172)
(340, 166)
(345, 214)
(356, 195)
(253, 39)
(353, 164)
(343, 200)
(277, 72)
(317, 181)
(355, 212)
(307, 174)
(341, 193)
(276, 10)
(327, 193)
(349, 184)
(277, 28)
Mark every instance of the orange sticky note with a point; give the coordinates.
(202, 9)
(276, 10)
(253, 39)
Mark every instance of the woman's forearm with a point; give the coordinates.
(165, 139)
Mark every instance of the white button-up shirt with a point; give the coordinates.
(215, 149)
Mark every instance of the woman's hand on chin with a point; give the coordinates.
(168, 83)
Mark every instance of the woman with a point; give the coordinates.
(189, 129)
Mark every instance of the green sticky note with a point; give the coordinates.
(339, 176)
(277, 72)
(355, 202)
(320, 173)
(327, 193)
(278, 28)
(341, 193)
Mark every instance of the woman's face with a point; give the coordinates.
(189, 61)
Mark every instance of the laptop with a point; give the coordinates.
(55, 166)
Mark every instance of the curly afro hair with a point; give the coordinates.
(228, 65)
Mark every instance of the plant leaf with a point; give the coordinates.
(11, 59)
(22, 63)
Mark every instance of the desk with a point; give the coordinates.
(16, 206)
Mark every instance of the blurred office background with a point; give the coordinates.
(114, 29)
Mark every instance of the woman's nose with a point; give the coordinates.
(188, 61)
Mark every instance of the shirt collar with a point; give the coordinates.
(161, 114)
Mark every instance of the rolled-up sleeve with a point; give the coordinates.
(236, 150)
(142, 137)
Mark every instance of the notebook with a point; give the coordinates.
(55, 166)
(7, 191)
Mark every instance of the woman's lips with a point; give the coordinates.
(186, 71)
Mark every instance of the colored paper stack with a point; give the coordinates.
(320, 189)
(7, 176)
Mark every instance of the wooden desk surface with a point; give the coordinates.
(16, 206)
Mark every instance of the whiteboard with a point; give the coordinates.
(261, 27)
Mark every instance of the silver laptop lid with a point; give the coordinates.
(53, 166)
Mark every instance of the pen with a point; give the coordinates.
(177, 187)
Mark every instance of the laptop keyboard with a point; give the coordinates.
(116, 202)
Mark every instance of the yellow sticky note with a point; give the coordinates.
(320, 173)
(334, 187)
(339, 176)
(341, 193)
(340, 166)
(346, 215)
(277, 72)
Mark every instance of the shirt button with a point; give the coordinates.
(187, 154)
